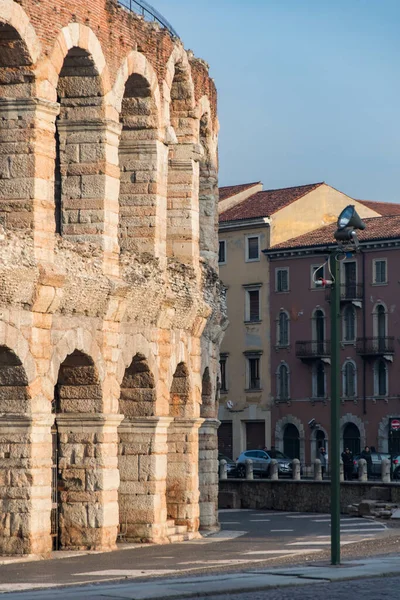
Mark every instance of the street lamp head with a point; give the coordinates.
(350, 218)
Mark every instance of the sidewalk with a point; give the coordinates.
(234, 583)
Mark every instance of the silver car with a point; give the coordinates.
(261, 460)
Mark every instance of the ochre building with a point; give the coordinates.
(110, 310)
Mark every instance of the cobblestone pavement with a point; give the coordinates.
(359, 589)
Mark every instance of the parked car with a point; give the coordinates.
(231, 469)
(376, 468)
(261, 463)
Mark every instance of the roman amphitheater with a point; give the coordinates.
(110, 306)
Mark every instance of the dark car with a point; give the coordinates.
(231, 469)
(261, 463)
(376, 468)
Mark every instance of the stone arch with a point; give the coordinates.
(13, 15)
(14, 390)
(208, 184)
(142, 159)
(74, 35)
(350, 418)
(12, 338)
(314, 439)
(179, 403)
(138, 393)
(81, 340)
(130, 345)
(183, 160)
(78, 388)
(279, 432)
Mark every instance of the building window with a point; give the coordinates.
(319, 383)
(380, 378)
(282, 280)
(352, 438)
(349, 379)
(222, 252)
(252, 248)
(291, 441)
(317, 272)
(222, 368)
(350, 279)
(380, 326)
(318, 326)
(349, 323)
(379, 271)
(283, 329)
(252, 304)
(282, 384)
(253, 372)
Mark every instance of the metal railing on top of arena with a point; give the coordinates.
(148, 12)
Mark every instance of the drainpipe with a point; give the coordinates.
(364, 315)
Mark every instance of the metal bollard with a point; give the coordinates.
(341, 470)
(362, 470)
(249, 468)
(223, 471)
(273, 469)
(317, 470)
(385, 470)
(296, 469)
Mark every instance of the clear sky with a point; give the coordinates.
(308, 90)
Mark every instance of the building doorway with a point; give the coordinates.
(352, 438)
(255, 435)
(291, 441)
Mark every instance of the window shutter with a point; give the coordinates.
(252, 248)
(254, 305)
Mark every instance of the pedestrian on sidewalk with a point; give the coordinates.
(322, 458)
(347, 458)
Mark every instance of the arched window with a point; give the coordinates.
(319, 331)
(351, 438)
(349, 379)
(319, 380)
(349, 323)
(380, 378)
(380, 326)
(321, 442)
(282, 384)
(291, 441)
(283, 329)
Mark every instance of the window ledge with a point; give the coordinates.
(253, 322)
(250, 390)
(377, 283)
(282, 291)
(223, 391)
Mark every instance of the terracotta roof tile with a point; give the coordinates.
(386, 209)
(266, 203)
(377, 228)
(231, 190)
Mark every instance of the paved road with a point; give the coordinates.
(359, 589)
(247, 538)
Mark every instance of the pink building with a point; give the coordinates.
(370, 340)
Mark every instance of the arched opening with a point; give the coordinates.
(183, 172)
(319, 380)
(291, 441)
(320, 441)
(15, 470)
(208, 189)
(136, 453)
(283, 392)
(182, 467)
(351, 438)
(17, 117)
(349, 323)
(142, 202)
(207, 408)
(349, 380)
(283, 329)
(380, 378)
(381, 329)
(319, 331)
(77, 496)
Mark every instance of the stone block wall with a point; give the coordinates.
(109, 299)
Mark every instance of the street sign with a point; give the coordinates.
(395, 424)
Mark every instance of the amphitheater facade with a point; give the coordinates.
(110, 306)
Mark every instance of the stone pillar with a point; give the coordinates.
(90, 185)
(142, 462)
(296, 469)
(88, 480)
(362, 470)
(249, 468)
(208, 474)
(183, 203)
(25, 492)
(317, 470)
(27, 169)
(223, 472)
(273, 469)
(182, 472)
(341, 470)
(385, 470)
(143, 203)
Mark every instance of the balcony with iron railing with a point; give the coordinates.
(375, 346)
(349, 292)
(312, 349)
(148, 12)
